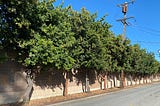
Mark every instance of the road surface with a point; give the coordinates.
(148, 95)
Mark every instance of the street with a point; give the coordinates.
(148, 95)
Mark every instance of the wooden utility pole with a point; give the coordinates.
(124, 7)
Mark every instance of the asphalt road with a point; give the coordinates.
(148, 95)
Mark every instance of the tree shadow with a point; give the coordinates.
(81, 75)
(50, 78)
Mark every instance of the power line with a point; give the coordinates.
(148, 42)
(150, 29)
(147, 30)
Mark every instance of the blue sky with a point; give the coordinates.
(144, 28)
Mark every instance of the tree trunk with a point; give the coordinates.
(136, 81)
(87, 82)
(131, 79)
(144, 80)
(152, 78)
(122, 79)
(66, 76)
(26, 97)
(105, 81)
(114, 80)
(101, 80)
(139, 80)
(147, 79)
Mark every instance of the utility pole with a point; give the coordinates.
(124, 7)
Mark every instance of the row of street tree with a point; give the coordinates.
(44, 35)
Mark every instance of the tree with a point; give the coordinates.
(52, 43)
(3, 56)
(15, 23)
(42, 35)
(90, 49)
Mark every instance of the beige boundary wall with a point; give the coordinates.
(46, 92)
(51, 84)
(74, 88)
